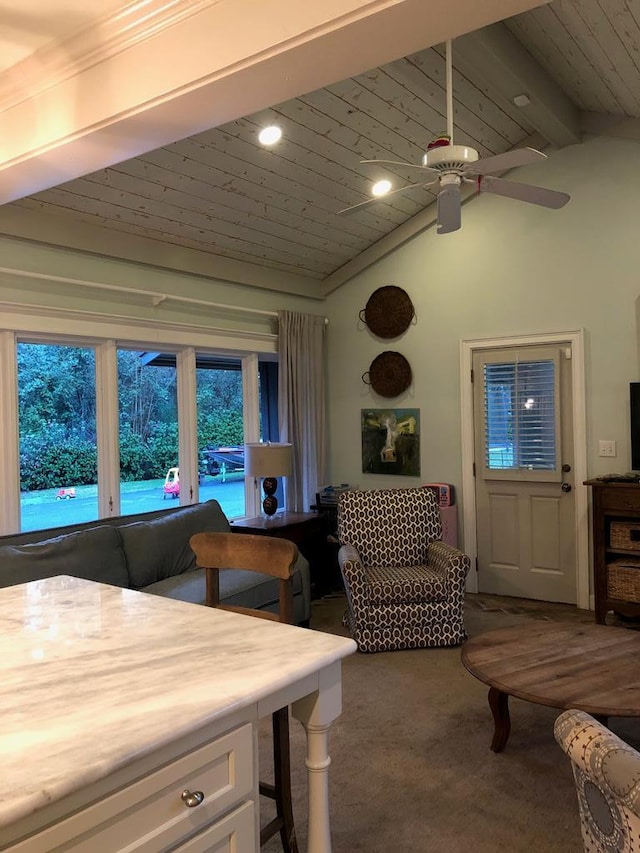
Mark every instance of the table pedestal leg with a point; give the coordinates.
(499, 704)
(317, 764)
(316, 712)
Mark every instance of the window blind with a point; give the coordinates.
(520, 415)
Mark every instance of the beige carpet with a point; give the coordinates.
(412, 769)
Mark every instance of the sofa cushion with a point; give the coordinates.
(237, 587)
(93, 554)
(250, 589)
(159, 548)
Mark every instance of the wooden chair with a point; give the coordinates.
(276, 557)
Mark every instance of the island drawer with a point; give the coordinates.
(151, 814)
(234, 833)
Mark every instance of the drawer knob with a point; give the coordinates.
(191, 799)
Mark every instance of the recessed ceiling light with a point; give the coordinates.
(381, 187)
(270, 135)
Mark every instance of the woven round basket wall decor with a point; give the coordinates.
(389, 374)
(388, 312)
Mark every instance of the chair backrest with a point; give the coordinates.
(268, 555)
(389, 527)
(607, 776)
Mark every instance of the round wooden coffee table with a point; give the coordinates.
(595, 668)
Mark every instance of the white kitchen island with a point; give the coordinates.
(128, 722)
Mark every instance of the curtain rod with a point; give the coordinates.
(156, 298)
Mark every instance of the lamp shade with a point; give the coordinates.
(266, 459)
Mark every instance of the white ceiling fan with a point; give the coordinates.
(447, 167)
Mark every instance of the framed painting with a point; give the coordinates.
(391, 441)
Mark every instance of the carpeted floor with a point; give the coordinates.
(412, 769)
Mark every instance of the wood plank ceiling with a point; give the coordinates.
(222, 193)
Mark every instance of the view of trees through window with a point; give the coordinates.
(57, 428)
(148, 415)
(57, 421)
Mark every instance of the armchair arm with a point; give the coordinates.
(354, 577)
(348, 553)
(610, 763)
(452, 563)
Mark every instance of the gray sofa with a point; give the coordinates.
(149, 552)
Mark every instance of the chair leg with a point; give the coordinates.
(281, 790)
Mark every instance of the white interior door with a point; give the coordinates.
(524, 481)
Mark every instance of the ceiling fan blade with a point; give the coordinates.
(523, 192)
(508, 160)
(356, 207)
(399, 163)
(448, 210)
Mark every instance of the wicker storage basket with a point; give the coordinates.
(625, 535)
(623, 580)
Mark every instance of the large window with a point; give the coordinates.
(57, 427)
(104, 429)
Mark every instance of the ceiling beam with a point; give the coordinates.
(496, 62)
(196, 65)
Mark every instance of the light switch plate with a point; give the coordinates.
(607, 448)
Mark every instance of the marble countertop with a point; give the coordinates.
(93, 676)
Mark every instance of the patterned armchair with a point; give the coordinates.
(405, 587)
(607, 775)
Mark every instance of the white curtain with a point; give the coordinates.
(301, 404)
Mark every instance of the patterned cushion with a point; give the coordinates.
(389, 527)
(407, 585)
(607, 776)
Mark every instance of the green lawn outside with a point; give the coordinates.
(45, 496)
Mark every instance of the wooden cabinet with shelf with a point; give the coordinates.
(616, 547)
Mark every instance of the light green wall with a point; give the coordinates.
(512, 269)
(38, 258)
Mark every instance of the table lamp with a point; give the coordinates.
(269, 461)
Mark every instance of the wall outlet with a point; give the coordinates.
(607, 448)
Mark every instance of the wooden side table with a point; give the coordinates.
(616, 565)
(309, 532)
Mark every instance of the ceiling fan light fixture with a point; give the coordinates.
(450, 158)
(452, 165)
(269, 135)
(381, 188)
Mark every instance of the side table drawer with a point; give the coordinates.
(149, 815)
(621, 499)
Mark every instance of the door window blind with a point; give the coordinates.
(520, 415)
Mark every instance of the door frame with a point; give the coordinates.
(581, 527)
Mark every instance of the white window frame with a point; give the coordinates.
(106, 335)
